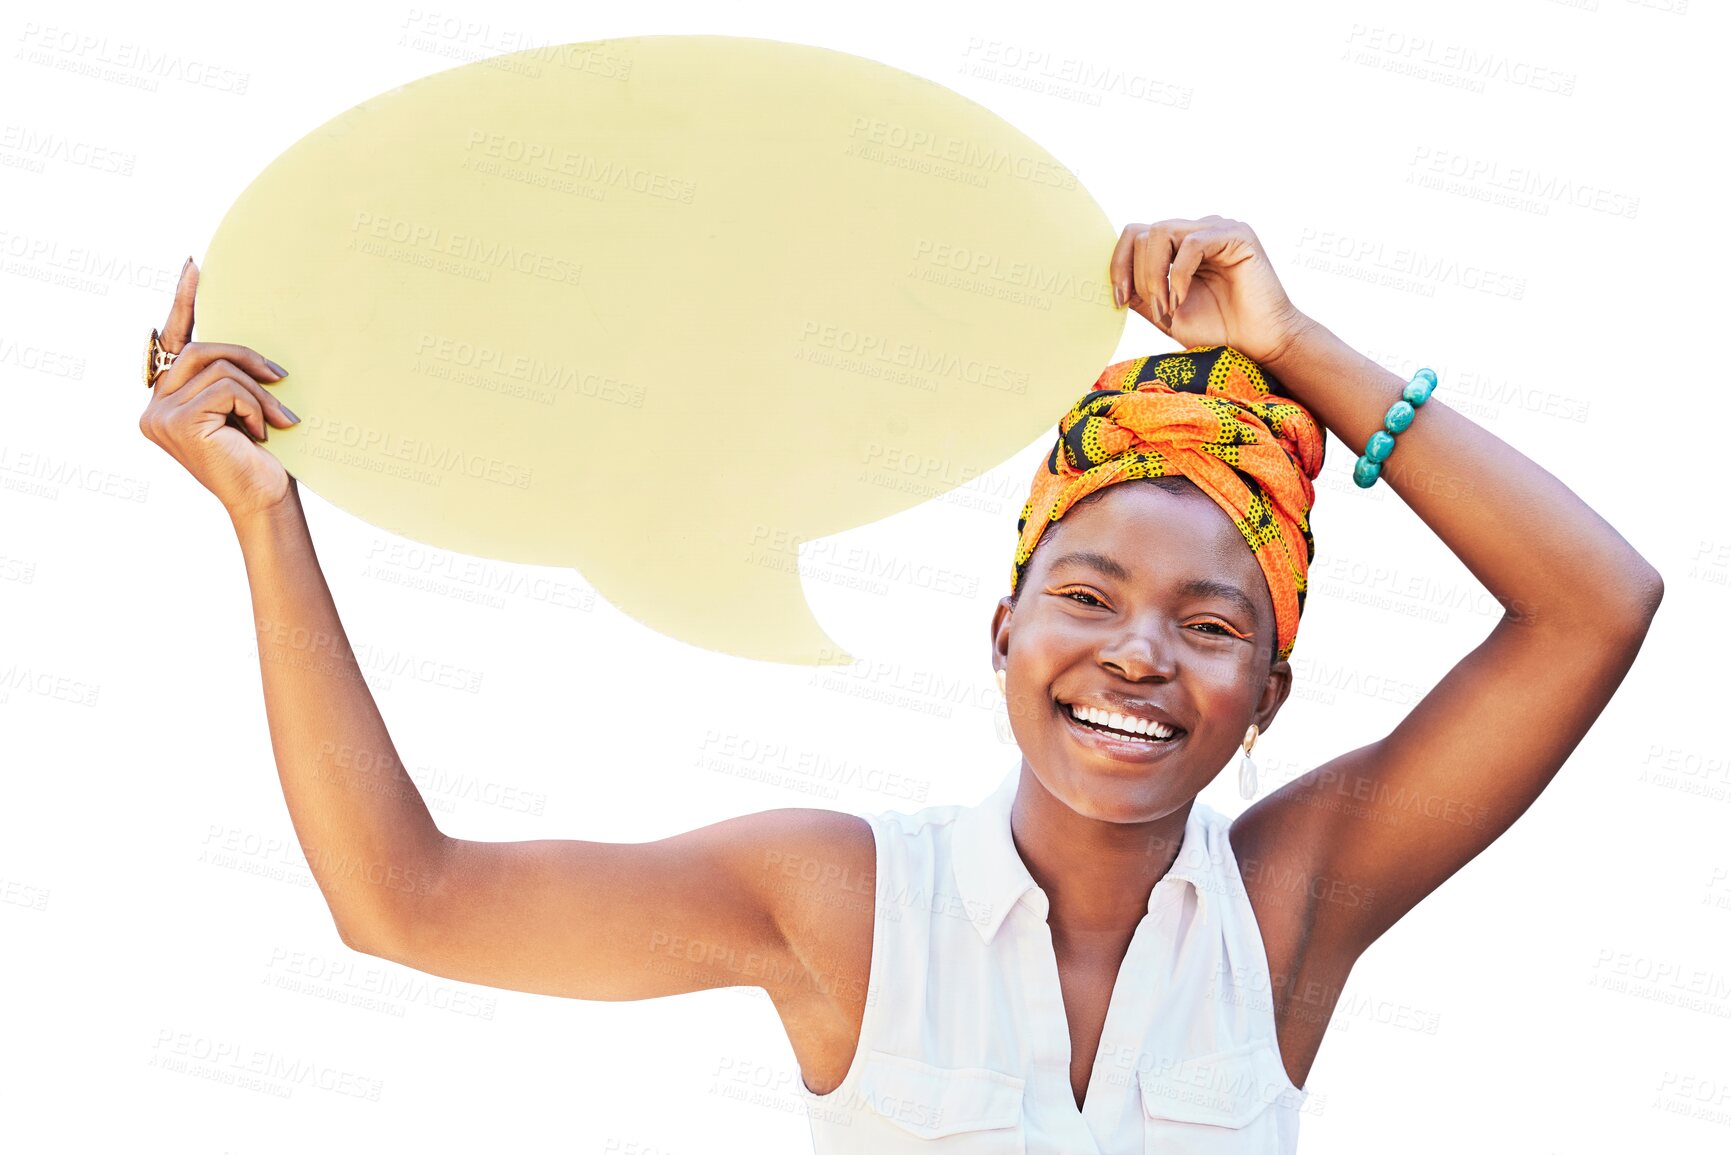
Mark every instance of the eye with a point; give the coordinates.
(1221, 630)
(1082, 593)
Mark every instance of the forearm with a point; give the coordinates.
(1538, 548)
(361, 822)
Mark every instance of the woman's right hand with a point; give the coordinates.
(208, 411)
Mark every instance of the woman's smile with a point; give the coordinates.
(1125, 748)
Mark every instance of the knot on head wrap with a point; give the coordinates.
(1210, 414)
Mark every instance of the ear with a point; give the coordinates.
(1274, 694)
(1001, 633)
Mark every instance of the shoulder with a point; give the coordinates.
(825, 903)
(820, 871)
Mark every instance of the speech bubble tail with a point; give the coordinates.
(734, 606)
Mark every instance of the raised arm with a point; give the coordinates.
(1397, 817)
(1392, 820)
(720, 906)
(366, 833)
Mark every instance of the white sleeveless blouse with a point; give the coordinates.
(965, 1048)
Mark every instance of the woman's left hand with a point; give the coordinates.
(1222, 291)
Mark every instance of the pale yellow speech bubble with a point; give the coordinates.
(662, 308)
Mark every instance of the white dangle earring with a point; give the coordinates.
(1247, 768)
(1006, 733)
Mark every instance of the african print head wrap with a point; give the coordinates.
(1215, 416)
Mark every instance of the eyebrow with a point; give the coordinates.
(1195, 587)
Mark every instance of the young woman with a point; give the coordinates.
(1088, 960)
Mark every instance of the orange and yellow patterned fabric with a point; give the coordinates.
(1215, 416)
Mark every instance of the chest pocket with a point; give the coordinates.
(1218, 1104)
(959, 1110)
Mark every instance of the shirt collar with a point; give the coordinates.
(992, 878)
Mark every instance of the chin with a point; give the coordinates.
(1128, 795)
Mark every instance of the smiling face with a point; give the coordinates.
(1128, 603)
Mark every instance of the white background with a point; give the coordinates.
(1567, 992)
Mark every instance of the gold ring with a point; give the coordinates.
(156, 359)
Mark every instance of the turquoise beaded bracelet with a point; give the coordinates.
(1369, 465)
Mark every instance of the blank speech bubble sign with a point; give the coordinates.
(660, 309)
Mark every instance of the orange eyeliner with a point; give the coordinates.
(1211, 621)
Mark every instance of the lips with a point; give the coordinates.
(1112, 703)
(1135, 710)
(1123, 749)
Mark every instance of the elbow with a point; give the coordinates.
(1637, 607)
(1627, 604)
(1631, 591)
(1649, 592)
(1656, 594)
(368, 943)
(351, 940)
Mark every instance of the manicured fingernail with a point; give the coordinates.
(275, 368)
(1118, 294)
(291, 413)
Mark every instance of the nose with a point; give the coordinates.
(1138, 653)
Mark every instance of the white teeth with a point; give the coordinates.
(1121, 722)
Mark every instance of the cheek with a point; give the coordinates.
(1222, 692)
(1041, 649)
